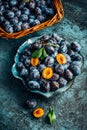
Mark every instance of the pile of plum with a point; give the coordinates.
(17, 15)
(62, 73)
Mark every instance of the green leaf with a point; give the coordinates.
(51, 116)
(54, 45)
(44, 53)
(37, 53)
(26, 0)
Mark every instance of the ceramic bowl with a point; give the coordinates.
(16, 75)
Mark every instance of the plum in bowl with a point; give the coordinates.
(48, 64)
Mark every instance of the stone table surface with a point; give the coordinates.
(71, 106)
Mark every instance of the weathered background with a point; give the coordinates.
(71, 106)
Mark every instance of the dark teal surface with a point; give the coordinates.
(71, 106)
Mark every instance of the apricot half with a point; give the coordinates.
(47, 73)
(61, 59)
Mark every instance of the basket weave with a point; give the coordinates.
(57, 17)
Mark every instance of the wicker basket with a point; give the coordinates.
(57, 17)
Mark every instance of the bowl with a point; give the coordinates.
(16, 74)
